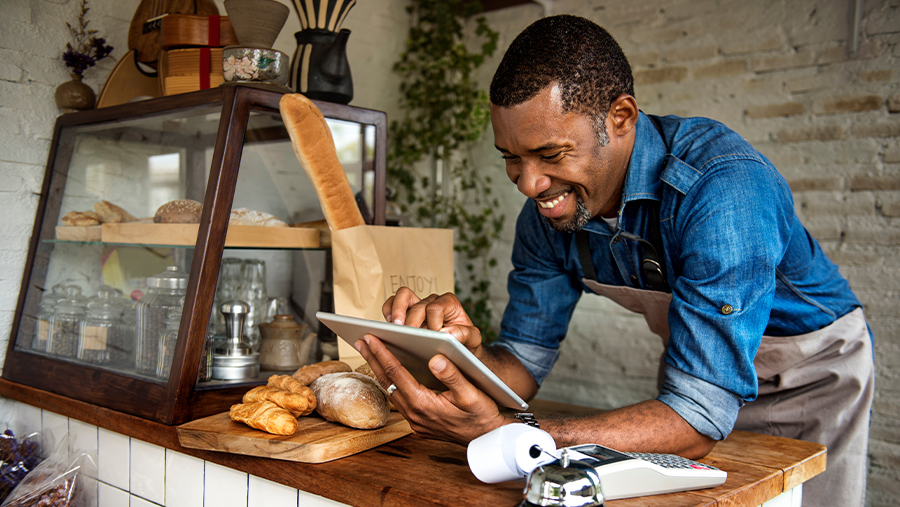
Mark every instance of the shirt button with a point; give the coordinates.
(615, 240)
(727, 309)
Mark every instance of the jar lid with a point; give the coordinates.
(239, 361)
(171, 278)
(73, 303)
(103, 310)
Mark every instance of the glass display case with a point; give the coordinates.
(127, 311)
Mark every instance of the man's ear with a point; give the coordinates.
(623, 114)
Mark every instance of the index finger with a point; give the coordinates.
(396, 306)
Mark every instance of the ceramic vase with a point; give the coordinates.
(256, 23)
(74, 95)
(320, 69)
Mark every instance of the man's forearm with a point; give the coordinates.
(509, 369)
(649, 426)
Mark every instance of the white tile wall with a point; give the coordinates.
(184, 480)
(137, 501)
(53, 428)
(224, 487)
(111, 496)
(263, 493)
(148, 471)
(115, 458)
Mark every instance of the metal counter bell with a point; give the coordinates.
(563, 483)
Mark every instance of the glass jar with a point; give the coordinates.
(168, 338)
(45, 310)
(209, 344)
(253, 291)
(101, 340)
(165, 291)
(127, 322)
(65, 323)
(228, 287)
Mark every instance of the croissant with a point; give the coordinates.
(296, 404)
(265, 416)
(288, 383)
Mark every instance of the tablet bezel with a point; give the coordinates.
(414, 347)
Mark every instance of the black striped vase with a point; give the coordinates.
(320, 69)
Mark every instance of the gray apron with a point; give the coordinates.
(816, 387)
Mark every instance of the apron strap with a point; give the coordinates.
(584, 254)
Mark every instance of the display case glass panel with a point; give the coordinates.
(110, 289)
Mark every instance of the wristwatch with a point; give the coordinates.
(528, 418)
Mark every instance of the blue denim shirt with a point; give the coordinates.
(730, 237)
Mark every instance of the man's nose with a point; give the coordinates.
(530, 179)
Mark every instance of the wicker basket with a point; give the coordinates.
(182, 70)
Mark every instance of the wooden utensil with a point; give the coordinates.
(127, 82)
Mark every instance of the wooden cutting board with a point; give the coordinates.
(316, 440)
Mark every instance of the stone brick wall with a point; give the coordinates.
(782, 75)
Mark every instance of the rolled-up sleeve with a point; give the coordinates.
(708, 408)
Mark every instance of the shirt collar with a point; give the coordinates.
(646, 165)
(642, 180)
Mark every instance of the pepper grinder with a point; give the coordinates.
(235, 360)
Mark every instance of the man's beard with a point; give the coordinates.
(576, 223)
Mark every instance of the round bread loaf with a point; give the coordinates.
(244, 216)
(351, 399)
(181, 211)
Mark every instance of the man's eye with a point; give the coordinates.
(551, 157)
(509, 157)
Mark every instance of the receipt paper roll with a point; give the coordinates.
(505, 453)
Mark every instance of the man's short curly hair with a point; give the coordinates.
(576, 53)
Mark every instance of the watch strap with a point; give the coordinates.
(528, 418)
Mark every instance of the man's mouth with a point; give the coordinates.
(550, 204)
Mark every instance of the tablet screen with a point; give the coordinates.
(414, 347)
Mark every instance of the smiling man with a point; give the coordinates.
(678, 219)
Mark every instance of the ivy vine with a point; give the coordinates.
(445, 112)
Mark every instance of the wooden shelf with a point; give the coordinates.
(238, 236)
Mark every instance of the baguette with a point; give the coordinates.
(265, 416)
(314, 147)
(310, 372)
(297, 404)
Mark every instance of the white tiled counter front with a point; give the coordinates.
(134, 473)
(147, 467)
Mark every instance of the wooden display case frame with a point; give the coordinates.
(179, 400)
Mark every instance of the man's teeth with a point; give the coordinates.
(554, 202)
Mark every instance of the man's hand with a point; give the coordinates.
(438, 313)
(459, 415)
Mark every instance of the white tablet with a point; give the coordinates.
(414, 347)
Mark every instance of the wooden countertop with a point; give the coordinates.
(414, 472)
